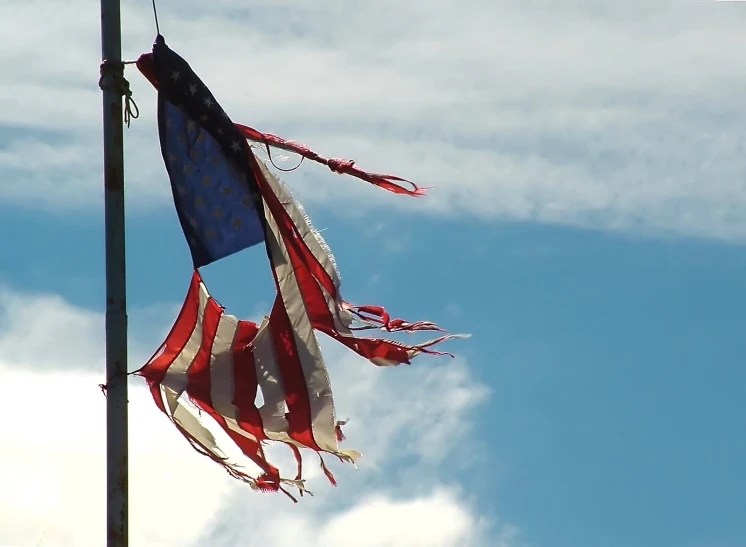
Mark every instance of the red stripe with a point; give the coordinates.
(249, 447)
(283, 339)
(155, 369)
(378, 318)
(245, 380)
(341, 166)
(323, 320)
(199, 388)
(198, 384)
(291, 237)
(293, 379)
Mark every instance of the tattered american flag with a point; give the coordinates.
(217, 362)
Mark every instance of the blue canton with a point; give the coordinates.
(212, 194)
(208, 162)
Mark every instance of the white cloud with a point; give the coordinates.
(33, 331)
(613, 115)
(434, 402)
(53, 472)
(440, 519)
(407, 421)
(34, 328)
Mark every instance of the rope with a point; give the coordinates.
(112, 79)
(105, 387)
(155, 16)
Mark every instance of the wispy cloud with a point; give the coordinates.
(611, 115)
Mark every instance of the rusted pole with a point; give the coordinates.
(112, 76)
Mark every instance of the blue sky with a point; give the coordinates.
(586, 227)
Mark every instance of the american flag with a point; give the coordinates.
(228, 200)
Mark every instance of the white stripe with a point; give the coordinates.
(269, 378)
(222, 387)
(311, 237)
(190, 423)
(309, 352)
(316, 244)
(176, 374)
(222, 380)
(232, 424)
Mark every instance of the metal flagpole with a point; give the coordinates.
(112, 80)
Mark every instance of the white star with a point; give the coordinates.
(236, 146)
(176, 75)
(208, 102)
(192, 88)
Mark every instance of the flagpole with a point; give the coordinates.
(116, 303)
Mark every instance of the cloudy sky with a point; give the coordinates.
(587, 226)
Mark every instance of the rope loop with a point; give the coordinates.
(112, 79)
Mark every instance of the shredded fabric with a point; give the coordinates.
(227, 201)
(337, 165)
(219, 362)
